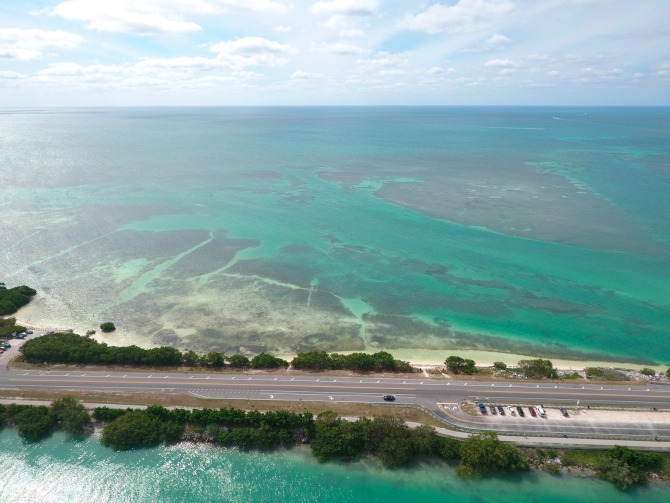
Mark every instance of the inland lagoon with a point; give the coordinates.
(538, 231)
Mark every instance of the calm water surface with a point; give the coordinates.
(527, 230)
(63, 470)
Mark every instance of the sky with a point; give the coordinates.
(334, 52)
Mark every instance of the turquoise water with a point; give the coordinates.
(528, 230)
(62, 470)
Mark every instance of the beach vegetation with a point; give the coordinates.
(34, 422)
(108, 326)
(571, 375)
(13, 299)
(238, 361)
(648, 372)
(7, 326)
(593, 372)
(667, 373)
(358, 362)
(64, 347)
(212, 360)
(605, 374)
(537, 369)
(267, 361)
(484, 454)
(108, 414)
(71, 415)
(626, 467)
(190, 358)
(458, 365)
(500, 365)
(133, 429)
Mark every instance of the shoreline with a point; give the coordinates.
(431, 357)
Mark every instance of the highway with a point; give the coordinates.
(439, 396)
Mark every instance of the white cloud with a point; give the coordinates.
(300, 75)
(156, 73)
(438, 70)
(124, 16)
(502, 63)
(151, 16)
(252, 51)
(340, 48)
(18, 44)
(385, 60)
(351, 33)
(12, 79)
(496, 40)
(346, 7)
(465, 15)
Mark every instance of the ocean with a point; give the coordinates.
(537, 231)
(60, 469)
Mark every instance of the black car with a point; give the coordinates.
(520, 411)
(493, 409)
(501, 410)
(389, 398)
(564, 411)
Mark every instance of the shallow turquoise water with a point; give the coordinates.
(528, 230)
(62, 470)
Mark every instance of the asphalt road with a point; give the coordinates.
(440, 396)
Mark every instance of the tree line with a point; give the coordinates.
(331, 437)
(63, 347)
(534, 369)
(35, 422)
(12, 299)
(74, 348)
(359, 362)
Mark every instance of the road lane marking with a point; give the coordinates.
(47, 382)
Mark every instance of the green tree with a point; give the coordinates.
(620, 473)
(384, 361)
(312, 360)
(72, 415)
(335, 438)
(12, 299)
(107, 414)
(190, 358)
(108, 326)
(483, 453)
(537, 369)
(238, 361)
(35, 422)
(450, 449)
(458, 365)
(648, 372)
(213, 360)
(359, 362)
(667, 373)
(267, 361)
(500, 365)
(131, 430)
